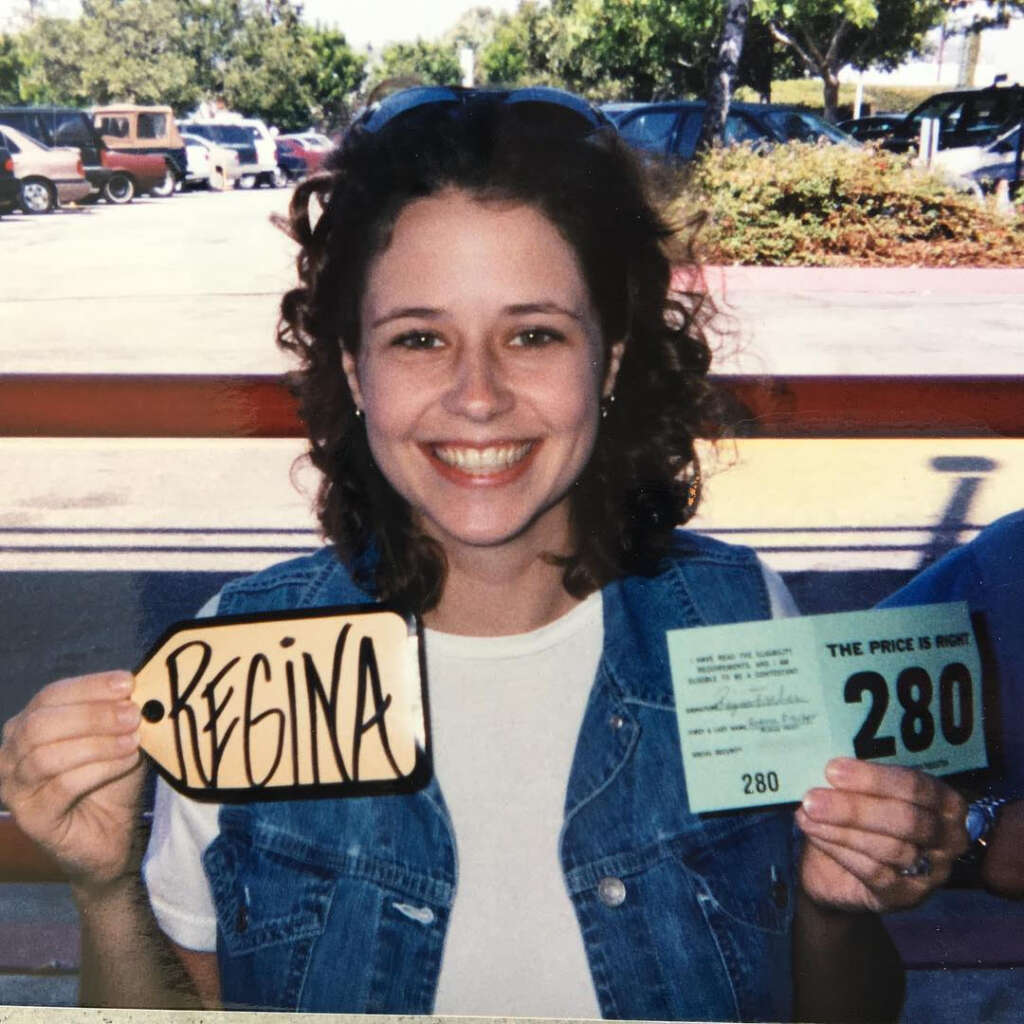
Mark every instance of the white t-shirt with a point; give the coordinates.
(505, 714)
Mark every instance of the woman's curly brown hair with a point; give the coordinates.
(643, 476)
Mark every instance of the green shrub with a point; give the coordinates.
(807, 92)
(808, 204)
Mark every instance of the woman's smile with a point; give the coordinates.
(476, 465)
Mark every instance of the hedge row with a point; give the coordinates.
(879, 99)
(805, 204)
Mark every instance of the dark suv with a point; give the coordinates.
(672, 129)
(967, 117)
(9, 184)
(62, 126)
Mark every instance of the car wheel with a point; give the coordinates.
(217, 181)
(246, 181)
(37, 196)
(166, 187)
(119, 189)
(278, 178)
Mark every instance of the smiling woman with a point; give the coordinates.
(503, 396)
(481, 401)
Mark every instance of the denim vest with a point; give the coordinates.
(342, 905)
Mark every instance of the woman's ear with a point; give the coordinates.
(348, 364)
(614, 362)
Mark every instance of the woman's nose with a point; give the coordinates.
(479, 390)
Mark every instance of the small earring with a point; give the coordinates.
(359, 413)
(606, 403)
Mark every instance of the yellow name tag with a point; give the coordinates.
(307, 703)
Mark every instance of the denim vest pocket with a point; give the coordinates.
(694, 926)
(743, 863)
(743, 876)
(301, 929)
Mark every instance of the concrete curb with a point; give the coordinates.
(867, 280)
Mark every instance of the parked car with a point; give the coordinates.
(871, 127)
(984, 165)
(967, 117)
(251, 139)
(62, 126)
(129, 128)
(311, 146)
(210, 165)
(672, 129)
(291, 158)
(133, 174)
(46, 176)
(9, 184)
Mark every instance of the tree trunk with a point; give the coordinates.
(723, 73)
(831, 80)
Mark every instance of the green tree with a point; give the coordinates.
(430, 62)
(51, 52)
(336, 73)
(134, 50)
(829, 35)
(210, 31)
(520, 48)
(11, 70)
(646, 49)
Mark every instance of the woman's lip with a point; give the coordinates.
(474, 464)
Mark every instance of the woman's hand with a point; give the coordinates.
(70, 773)
(881, 839)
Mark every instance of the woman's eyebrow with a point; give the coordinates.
(404, 312)
(526, 308)
(517, 309)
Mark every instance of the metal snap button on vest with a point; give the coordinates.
(611, 891)
(616, 721)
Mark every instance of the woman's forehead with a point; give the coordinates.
(454, 247)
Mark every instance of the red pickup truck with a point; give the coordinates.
(134, 174)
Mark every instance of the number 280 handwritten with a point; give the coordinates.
(914, 691)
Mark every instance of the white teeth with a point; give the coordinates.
(480, 461)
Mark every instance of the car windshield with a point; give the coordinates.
(801, 126)
(231, 134)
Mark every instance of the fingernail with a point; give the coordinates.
(128, 715)
(121, 683)
(839, 769)
(812, 804)
(129, 741)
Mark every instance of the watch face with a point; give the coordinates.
(977, 823)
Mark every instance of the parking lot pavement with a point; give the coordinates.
(188, 284)
(191, 284)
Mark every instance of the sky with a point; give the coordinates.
(373, 22)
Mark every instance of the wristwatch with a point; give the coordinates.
(982, 816)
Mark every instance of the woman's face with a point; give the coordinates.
(480, 370)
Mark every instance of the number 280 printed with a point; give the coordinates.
(915, 692)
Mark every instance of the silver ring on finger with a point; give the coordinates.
(919, 869)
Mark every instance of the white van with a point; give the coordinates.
(250, 138)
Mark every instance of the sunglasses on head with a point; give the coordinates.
(375, 117)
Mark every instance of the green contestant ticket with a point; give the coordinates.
(762, 706)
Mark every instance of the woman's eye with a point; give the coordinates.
(417, 340)
(536, 337)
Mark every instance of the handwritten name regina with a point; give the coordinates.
(253, 708)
